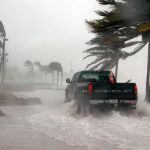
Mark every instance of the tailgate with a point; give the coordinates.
(120, 91)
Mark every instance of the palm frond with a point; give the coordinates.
(37, 63)
(109, 64)
(2, 29)
(93, 62)
(132, 43)
(28, 63)
(98, 49)
(97, 65)
(136, 50)
(106, 2)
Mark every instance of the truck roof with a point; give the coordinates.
(100, 71)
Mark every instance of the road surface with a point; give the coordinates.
(54, 125)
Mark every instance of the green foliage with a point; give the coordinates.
(126, 20)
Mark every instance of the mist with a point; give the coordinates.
(49, 31)
(33, 112)
(46, 30)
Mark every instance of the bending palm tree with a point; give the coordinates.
(38, 64)
(56, 66)
(29, 64)
(107, 50)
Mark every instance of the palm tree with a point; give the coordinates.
(29, 64)
(56, 67)
(138, 18)
(127, 19)
(107, 50)
(107, 44)
(39, 65)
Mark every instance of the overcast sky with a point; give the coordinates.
(47, 30)
(55, 30)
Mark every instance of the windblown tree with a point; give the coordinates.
(107, 42)
(30, 66)
(104, 51)
(107, 50)
(39, 65)
(127, 19)
(56, 67)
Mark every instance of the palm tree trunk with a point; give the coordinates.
(147, 98)
(32, 71)
(116, 70)
(57, 78)
(3, 61)
(61, 78)
(41, 74)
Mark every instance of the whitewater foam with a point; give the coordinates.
(101, 131)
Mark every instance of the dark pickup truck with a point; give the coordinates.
(100, 88)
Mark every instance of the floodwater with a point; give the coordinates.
(100, 131)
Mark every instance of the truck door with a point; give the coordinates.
(73, 85)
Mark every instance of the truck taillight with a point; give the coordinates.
(135, 88)
(111, 78)
(90, 88)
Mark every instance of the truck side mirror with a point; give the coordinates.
(128, 81)
(68, 80)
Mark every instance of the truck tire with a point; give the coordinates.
(67, 99)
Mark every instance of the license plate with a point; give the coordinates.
(112, 101)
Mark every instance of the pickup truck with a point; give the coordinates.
(90, 88)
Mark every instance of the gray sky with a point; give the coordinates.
(55, 30)
(47, 30)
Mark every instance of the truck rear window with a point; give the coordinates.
(93, 77)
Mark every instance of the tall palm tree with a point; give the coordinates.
(127, 19)
(138, 17)
(107, 44)
(29, 64)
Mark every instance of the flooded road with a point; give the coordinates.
(54, 125)
(17, 133)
